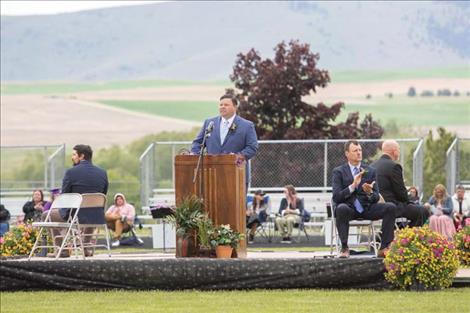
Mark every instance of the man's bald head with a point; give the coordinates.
(391, 148)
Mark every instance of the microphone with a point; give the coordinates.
(210, 127)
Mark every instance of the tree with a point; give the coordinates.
(435, 159)
(272, 96)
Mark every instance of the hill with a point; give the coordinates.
(200, 40)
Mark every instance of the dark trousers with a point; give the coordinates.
(57, 217)
(378, 211)
(417, 214)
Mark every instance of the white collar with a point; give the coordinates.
(230, 120)
(351, 167)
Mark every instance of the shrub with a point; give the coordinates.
(462, 243)
(18, 241)
(421, 257)
(411, 92)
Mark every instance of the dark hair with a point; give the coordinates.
(85, 150)
(231, 97)
(40, 191)
(460, 187)
(350, 142)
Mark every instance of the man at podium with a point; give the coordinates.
(228, 133)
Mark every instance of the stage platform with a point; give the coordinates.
(162, 271)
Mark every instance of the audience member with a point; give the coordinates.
(413, 195)
(461, 205)
(54, 193)
(356, 195)
(33, 209)
(440, 204)
(392, 186)
(256, 213)
(83, 177)
(291, 210)
(4, 220)
(120, 217)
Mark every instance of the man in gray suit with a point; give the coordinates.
(229, 133)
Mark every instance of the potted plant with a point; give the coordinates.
(204, 234)
(185, 219)
(462, 244)
(420, 259)
(225, 239)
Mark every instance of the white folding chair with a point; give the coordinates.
(70, 201)
(359, 225)
(97, 203)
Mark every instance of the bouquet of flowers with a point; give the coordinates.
(18, 241)
(225, 236)
(462, 243)
(422, 259)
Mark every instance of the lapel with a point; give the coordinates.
(216, 132)
(347, 174)
(235, 121)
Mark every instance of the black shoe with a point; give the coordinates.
(285, 240)
(251, 238)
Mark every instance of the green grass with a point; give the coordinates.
(68, 87)
(389, 75)
(283, 301)
(415, 111)
(185, 110)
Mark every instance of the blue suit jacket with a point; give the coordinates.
(85, 178)
(342, 178)
(242, 139)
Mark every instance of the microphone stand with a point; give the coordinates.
(200, 163)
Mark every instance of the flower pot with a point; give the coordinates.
(186, 246)
(223, 252)
(204, 252)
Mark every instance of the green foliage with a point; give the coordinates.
(205, 230)
(186, 216)
(435, 159)
(462, 243)
(224, 235)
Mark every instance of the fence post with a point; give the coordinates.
(452, 165)
(325, 169)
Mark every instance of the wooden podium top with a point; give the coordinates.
(222, 159)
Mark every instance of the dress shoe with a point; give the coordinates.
(344, 253)
(382, 253)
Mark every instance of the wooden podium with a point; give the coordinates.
(224, 191)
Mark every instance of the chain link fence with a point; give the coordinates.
(458, 164)
(306, 164)
(25, 168)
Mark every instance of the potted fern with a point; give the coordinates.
(185, 219)
(204, 233)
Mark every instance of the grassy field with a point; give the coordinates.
(351, 76)
(416, 111)
(325, 301)
(389, 75)
(185, 110)
(69, 87)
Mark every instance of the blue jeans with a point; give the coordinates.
(4, 227)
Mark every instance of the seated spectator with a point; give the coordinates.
(290, 211)
(256, 213)
(4, 220)
(33, 209)
(441, 207)
(120, 217)
(54, 193)
(461, 205)
(413, 195)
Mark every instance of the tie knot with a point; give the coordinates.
(356, 171)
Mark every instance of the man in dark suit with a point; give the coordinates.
(392, 187)
(229, 133)
(83, 177)
(356, 195)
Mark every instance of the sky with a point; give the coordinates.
(56, 7)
